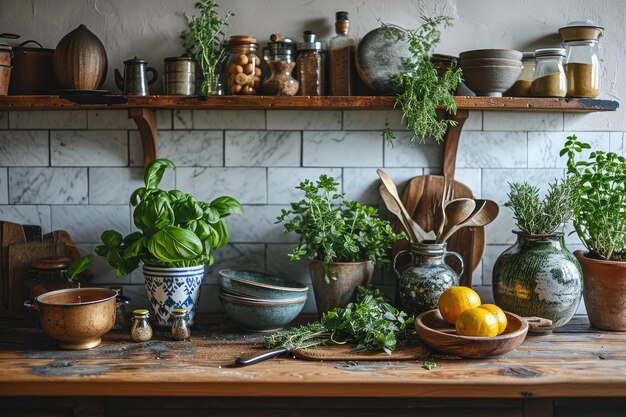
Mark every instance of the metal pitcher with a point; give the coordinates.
(135, 81)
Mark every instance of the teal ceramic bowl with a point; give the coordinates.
(259, 285)
(261, 316)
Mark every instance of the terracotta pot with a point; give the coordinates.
(80, 60)
(604, 291)
(341, 291)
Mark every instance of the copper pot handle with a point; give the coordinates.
(30, 41)
(122, 299)
(31, 304)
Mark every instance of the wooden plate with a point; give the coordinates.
(440, 335)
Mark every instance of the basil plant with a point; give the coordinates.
(175, 229)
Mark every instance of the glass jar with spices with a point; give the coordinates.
(341, 58)
(522, 87)
(549, 79)
(311, 66)
(141, 330)
(582, 68)
(244, 69)
(281, 61)
(180, 329)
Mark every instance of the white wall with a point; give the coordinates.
(74, 169)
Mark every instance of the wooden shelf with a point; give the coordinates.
(300, 103)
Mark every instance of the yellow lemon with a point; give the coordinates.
(500, 316)
(456, 300)
(477, 322)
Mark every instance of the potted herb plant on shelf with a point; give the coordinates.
(203, 41)
(600, 222)
(538, 276)
(343, 240)
(177, 237)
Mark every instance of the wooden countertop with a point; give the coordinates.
(575, 361)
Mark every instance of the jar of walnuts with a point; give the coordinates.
(244, 69)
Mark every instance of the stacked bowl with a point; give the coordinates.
(490, 72)
(259, 301)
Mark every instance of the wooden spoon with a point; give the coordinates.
(485, 213)
(456, 212)
(394, 208)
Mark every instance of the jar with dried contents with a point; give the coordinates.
(311, 66)
(549, 79)
(582, 68)
(180, 329)
(522, 87)
(244, 69)
(281, 62)
(141, 330)
(342, 58)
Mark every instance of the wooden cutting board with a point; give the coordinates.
(347, 353)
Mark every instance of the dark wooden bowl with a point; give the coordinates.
(440, 335)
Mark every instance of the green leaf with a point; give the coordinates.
(78, 266)
(172, 244)
(154, 171)
(111, 239)
(134, 249)
(226, 205)
(429, 365)
(223, 234)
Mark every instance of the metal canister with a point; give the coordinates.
(180, 76)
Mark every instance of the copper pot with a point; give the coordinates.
(76, 317)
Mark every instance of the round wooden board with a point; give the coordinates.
(347, 353)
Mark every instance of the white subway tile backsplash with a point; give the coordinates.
(474, 121)
(372, 120)
(48, 119)
(492, 252)
(248, 185)
(89, 148)
(278, 263)
(492, 150)
(182, 119)
(617, 142)
(522, 121)
(48, 185)
(342, 149)
(544, 147)
(596, 122)
(229, 119)
(186, 148)
(4, 119)
(258, 224)
(303, 120)
(4, 186)
(109, 119)
(282, 182)
(27, 215)
(164, 119)
(401, 153)
(472, 177)
(499, 232)
(86, 223)
(246, 256)
(263, 148)
(115, 185)
(24, 148)
(496, 182)
(103, 273)
(362, 184)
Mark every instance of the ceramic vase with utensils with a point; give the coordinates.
(538, 276)
(421, 284)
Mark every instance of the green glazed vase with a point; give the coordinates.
(421, 284)
(538, 276)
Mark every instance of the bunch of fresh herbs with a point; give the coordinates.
(203, 40)
(535, 216)
(370, 323)
(175, 229)
(600, 199)
(333, 229)
(421, 89)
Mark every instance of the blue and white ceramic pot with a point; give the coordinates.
(170, 288)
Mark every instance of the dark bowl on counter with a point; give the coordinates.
(260, 285)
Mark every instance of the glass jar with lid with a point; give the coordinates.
(141, 330)
(549, 79)
(582, 68)
(311, 66)
(180, 328)
(244, 70)
(522, 87)
(281, 61)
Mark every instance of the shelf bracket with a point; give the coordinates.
(146, 123)
(451, 143)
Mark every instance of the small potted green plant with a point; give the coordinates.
(538, 276)
(600, 222)
(177, 236)
(203, 41)
(342, 239)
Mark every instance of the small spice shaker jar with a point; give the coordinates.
(180, 329)
(522, 87)
(141, 330)
(281, 62)
(244, 69)
(549, 79)
(311, 66)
